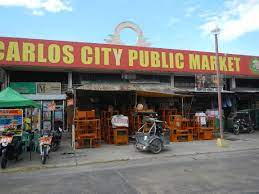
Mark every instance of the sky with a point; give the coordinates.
(173, 24)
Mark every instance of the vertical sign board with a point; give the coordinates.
(10, 118)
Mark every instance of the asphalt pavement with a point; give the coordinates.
(67, 157)
(222, 172)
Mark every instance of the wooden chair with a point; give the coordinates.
(80, 115)
(87, 130)
(205, 132)
(90, 114)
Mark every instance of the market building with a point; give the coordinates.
(102, 76)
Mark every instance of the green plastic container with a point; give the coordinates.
(217, 123)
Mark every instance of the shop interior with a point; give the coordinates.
(94, 111)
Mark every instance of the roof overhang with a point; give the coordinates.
(246, 90)
(154, 90)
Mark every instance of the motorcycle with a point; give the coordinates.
(11, 148)
(56, 139)
(45, 145)
(242, 123)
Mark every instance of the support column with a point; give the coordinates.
(233, 83)
(172, 81)
(70, 81)
(6, 80)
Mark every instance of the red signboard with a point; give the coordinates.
(77, 55)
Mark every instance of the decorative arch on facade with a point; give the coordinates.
(116, 38)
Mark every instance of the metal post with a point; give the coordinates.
(136, 100)
(63, 115)
(73, 124)
(216, 31)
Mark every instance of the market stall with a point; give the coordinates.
(109, 100)
(12, 124)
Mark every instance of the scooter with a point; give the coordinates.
(11, 148)
(45, 145)
(56, 139)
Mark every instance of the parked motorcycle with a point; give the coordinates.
(56, 139)
(11, 148)
(242, 123)
(45, 145)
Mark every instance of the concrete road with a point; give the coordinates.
(228, 172)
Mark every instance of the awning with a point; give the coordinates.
(46, 96)
(246, 90)
(154, 90)
(159, 94)
(109, 87)
(214, 92)
(193, 91)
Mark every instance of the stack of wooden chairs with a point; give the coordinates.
(87, 129)
(138, 121)
(183, 129)
(204, 132)
(166, 113)
(107, 132)
(132, 129)
(180, 129)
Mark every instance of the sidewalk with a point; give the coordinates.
(65, 156)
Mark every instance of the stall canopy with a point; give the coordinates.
(10, 98)
(145, 91)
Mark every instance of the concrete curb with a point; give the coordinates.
(75, 164)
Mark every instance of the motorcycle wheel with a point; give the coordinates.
(236, 130)
(136, 147)
(156, 146)
(54, 147)
(4, 163)
(4, 160)
(44, 155)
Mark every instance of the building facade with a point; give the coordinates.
(50, 71)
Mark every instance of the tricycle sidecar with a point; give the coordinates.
(152, 136)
